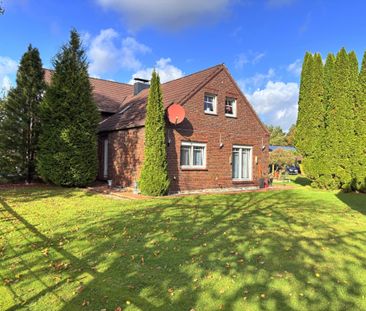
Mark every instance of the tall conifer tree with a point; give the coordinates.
(340, 123)
(311, 114)
(19, 128)
(325, 177)
(354, 93)
(304, 98)
(69, 119)
(315, 122)
(360, 131)
(154, 175)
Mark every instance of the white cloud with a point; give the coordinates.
(295, 68)
(8, 68)
(256, 81)
(276, 103)
(108, 53)
(163, 66)
(247, 58)
(129, 48)
(168, 14)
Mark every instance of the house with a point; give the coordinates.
(221, 142)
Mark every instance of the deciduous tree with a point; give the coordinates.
(278, 136)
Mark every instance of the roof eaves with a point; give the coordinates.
(189, 95)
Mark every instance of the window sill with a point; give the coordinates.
(242, 181)
(193, 169)
(211, 113)
(230, 116)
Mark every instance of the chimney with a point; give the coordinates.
(139, 85)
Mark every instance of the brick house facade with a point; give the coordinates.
(220, 144)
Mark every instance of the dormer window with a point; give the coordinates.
(210, 104)
(230, 107)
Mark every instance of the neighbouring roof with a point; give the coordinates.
(108, 95)
(177, 91)
(287, 148)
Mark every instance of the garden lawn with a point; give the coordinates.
(66, 249)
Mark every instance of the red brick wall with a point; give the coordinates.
(245, 129)
(126, 147)
(125, 151)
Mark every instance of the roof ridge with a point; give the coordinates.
(52, 70)
(194, 73)
(201, 84)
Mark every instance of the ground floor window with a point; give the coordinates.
(193, 155)
(242, 163)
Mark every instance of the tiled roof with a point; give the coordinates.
(108, 95)
(179, 91)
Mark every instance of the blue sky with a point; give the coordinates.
(262, 42)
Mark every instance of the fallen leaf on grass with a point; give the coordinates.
(80, 289)
(60, 266)
(45, 251)
(8, 281)
(85, 303)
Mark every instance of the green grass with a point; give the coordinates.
(293, 180)
(65, 249)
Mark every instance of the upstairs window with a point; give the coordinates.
(230, 107)
(210, 104)
(193, 155)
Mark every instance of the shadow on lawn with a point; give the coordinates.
(356, 201)
(216, 252)
(23, 194)
(35, 239)
(302, 181)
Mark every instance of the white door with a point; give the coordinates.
(105, 158)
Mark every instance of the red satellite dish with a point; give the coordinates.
(176, 113)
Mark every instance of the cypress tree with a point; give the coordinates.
(311, 115)
(304, 98)
(154, 175)
(340, 123)
(315, 121)
(328, 78)
(19, 129)
(325, 177)
(354, 92)
(69, 119)
(360, 130)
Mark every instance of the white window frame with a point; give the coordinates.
(105, 157)
(214, 103)
(192, 145)
(241, 147)
(233, 114)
